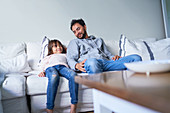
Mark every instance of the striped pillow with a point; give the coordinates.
(148, 50)
(44, 49)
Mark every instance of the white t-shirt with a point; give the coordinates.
(54, 59)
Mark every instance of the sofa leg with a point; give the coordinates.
(29, 103)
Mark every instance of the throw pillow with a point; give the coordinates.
(15, 64)
(11, 50)
(44, 49)
(156, 50)
(13, 58)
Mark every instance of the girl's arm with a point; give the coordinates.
(44, 62)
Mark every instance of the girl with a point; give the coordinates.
(54, 66)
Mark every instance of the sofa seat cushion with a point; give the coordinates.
(13, 86)
(38, 85)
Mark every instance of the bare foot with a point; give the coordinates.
(73, 108)
(49, 110)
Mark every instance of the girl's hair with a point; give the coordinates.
(50, 45)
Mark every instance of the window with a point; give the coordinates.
(166, 16)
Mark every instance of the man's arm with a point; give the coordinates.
(72, 54)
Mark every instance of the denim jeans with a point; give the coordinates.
(53, 74)
(93, 65)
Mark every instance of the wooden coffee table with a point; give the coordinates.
(129, 92)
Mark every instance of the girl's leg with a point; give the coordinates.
(49, 110)
(73, 108)
(73, 87)
(53, 82)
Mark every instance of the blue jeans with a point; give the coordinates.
(93, 65)
(53, 74)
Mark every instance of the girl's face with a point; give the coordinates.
(57, 49)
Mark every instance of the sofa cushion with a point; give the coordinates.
(33, 52)
(41, 85)
(148, 50)
(13, 86)
(36, 85)
(113, 46)
(15, 64)
(13, 58)
(11, 50)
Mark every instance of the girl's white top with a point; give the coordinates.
(54, 59)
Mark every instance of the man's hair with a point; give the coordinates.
(80, 21)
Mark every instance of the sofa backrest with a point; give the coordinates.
(33, 50)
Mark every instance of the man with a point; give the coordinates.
(90, 54)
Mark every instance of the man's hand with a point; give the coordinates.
(116, 57)
(80, 66)
(42, 74)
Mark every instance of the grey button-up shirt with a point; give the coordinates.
(80, 49)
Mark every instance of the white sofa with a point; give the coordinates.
(24, 92)
(36, 86)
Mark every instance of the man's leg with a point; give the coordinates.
(119, 64)
(131, 58)
(93, 65)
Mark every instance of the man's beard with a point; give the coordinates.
(84, 35)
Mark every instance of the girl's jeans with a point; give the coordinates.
(93, 65)
(53, 74)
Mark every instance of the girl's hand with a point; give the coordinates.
(42, 74)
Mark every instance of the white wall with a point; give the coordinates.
(31, 20)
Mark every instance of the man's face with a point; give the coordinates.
(79, 31)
